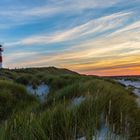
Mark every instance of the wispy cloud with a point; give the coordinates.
(131, 28)
(25, 14)
(106, 42)
(90, 57)
(54, 8)
(92, 27)
(121, 52)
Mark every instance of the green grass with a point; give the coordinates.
(13, 97)
(24, 118)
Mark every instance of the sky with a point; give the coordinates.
(99, 37)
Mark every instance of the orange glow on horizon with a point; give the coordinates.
(115, 72)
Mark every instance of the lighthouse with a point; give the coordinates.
(1, 50)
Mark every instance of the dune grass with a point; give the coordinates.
(13, 97)
(57, 119)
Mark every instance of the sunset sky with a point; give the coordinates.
(100, 37)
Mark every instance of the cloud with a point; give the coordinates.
(54, 7)
(19, 55)
(92, 27)
(105, 45)
(91, 58)
(131, 28)
(23, 14)
(118, 51)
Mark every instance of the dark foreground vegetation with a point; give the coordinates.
(23, 117)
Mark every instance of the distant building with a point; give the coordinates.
(1, 50)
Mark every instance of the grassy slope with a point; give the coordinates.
(56, 119)
(13, 97)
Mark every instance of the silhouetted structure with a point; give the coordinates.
(1, 50)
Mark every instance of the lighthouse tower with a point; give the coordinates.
(1, 50)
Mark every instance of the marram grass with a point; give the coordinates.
(106, 103)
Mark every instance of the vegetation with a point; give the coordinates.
(58, 118)
(13, 97)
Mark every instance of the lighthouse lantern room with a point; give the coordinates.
(1, 50)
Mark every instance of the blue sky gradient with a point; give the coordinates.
(89, 36)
